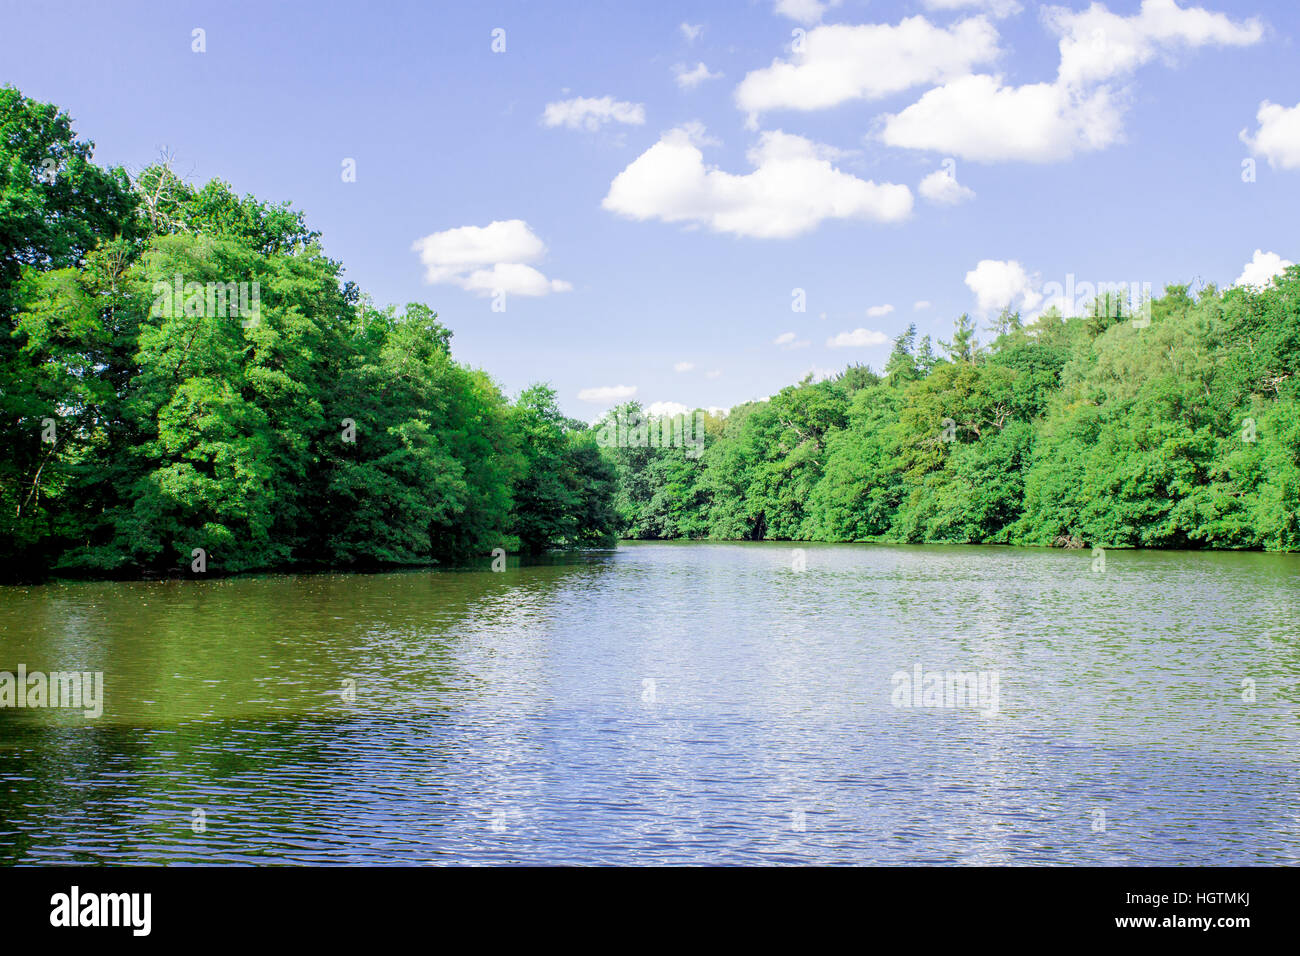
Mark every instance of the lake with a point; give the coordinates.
(670, 703)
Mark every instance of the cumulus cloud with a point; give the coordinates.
(876, 311)
(841, 62)
(683, 366)
(941, 187)
(592, 113)
(607, 393)
(691, 31)
(512, 277)
(788, 340)
(793, 189)
(806, 12)
(1261, 269)
(1278, 137)
(688, 79)
(998, 284)
(858, 338)
(1097, 45)
(487, 259)
(921, 305)
(978, 117)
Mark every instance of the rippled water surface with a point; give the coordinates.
(669, 703)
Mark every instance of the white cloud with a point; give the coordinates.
(792, 189)
(683, 366)
(671, 409)
(806, 12)
(996, 8)
(607, 393)
(843, 62)
(876, 311)
(942, 187)
(487, 259)
(689, 79)
(921, 305)
(591, 113)
(788, 340)
(691, 31)
(978, 118)
(512, 277)
(998, 284)
(713, 373)
(858, 338)
(1278, 139)
(1261, 269)
(1097, 45)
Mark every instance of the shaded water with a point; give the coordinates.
(669, 703)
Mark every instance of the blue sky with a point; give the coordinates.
(661, 214)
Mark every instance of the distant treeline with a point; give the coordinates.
(187, 382)
(1174, 427)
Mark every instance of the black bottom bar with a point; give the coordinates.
(943, 906)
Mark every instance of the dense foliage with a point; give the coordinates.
(1178, 428)
(185, 369)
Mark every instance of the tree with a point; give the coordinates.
(564, 497)
(963, 347)
(187, 372)
(901, 365)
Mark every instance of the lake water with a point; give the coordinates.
(670, 703)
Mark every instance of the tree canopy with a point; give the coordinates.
(184, 371)
(1097, 430)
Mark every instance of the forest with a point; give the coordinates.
(1171, 423)
(188, 385)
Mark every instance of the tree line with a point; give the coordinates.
(1173, 423)
(188, 383)
(185, 372)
